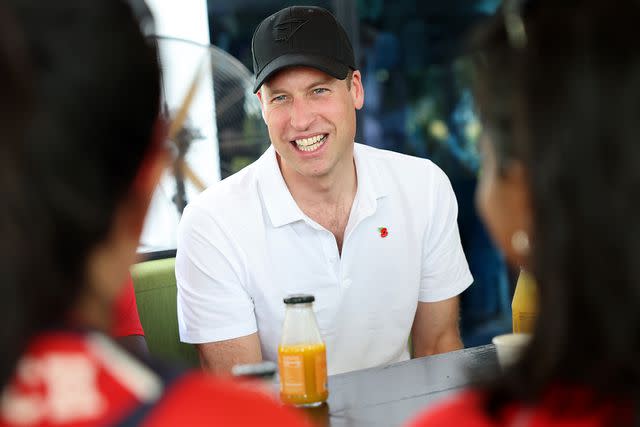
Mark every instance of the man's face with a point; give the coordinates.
(311, 118)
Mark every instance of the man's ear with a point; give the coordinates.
(357, 90)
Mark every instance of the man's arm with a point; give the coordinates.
(435, 328)
(445, 274)
(215, 311)
(219, 357)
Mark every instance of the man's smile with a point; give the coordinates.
(311, 143)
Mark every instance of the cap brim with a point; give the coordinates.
(325, 64)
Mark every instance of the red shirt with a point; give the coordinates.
(72, 379)
(126, 320)
(467, 410)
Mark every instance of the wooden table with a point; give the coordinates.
(391, 395)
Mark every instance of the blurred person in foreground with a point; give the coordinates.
(76, 185)
(126, 327)
(559, 95)
(372, 234)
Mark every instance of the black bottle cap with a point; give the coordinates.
(299, 299)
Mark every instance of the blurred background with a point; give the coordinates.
(418, 100)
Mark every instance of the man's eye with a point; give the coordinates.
(320, 90)
(279, 98)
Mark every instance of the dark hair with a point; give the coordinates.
(96, 99)
(15, 94)
(15, 97)
(14, 76)
(567, 106)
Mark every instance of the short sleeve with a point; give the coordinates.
(126, 320)
(213, 304)
(445, 272)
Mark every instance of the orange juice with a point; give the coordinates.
(303, 373)
(524, 306)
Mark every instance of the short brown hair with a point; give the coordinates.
(349, 78)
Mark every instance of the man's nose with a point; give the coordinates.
(302, 114)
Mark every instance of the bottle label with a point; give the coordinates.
(524, 322)
(292, 374)
(321, 372)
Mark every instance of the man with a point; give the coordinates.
(372, 234)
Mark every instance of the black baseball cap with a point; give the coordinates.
(301, 35)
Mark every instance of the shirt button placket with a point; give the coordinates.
(331, 251)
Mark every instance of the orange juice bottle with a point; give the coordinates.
(302, 356)
(524, 306)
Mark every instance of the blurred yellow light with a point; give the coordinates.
(439, 130)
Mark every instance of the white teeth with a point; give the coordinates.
(310, 144)
(309, 141)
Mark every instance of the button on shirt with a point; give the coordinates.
(244, 244)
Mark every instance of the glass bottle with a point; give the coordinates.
(302, 357)
(524, 307)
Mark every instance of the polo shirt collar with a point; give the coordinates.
(372, 185)
(277, 199)
(281, 206)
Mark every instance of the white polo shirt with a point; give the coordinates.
(244, 244)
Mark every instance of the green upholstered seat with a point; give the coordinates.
(156, 292)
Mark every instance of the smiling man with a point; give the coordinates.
(371, 233)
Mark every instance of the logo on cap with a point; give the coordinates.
(286, 29)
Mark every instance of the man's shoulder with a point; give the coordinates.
(231, 193)
(229, 204)
(402, 168)
(395, 160)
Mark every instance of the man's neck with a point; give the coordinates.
(328, 190)
(326, 199)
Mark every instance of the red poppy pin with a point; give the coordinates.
(383, 231)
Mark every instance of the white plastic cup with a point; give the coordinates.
(509, 347)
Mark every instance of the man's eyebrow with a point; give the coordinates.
(319, 82)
